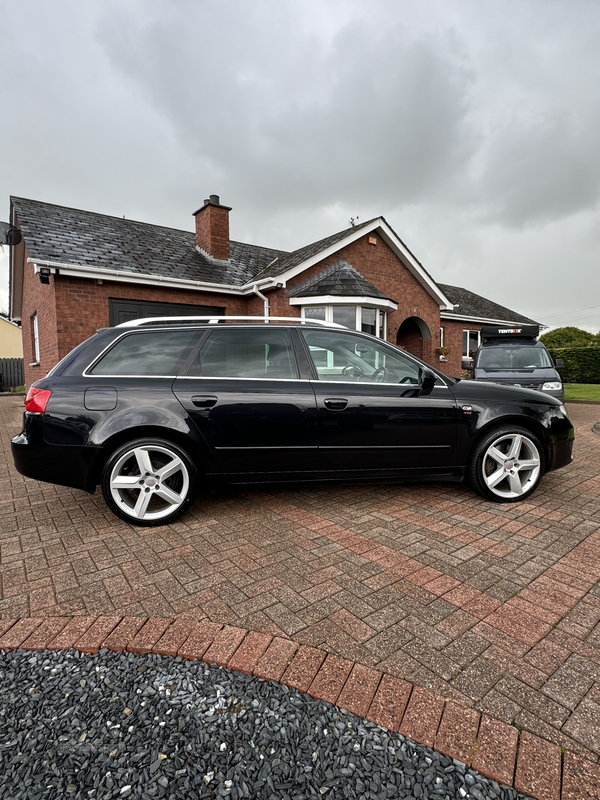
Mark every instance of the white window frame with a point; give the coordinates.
(469, 331)
(380, 318)
(35, 330)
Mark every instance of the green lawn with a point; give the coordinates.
(589, 392)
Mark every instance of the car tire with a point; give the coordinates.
(507, 464)
(149, 482)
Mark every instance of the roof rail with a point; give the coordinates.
(137, 323)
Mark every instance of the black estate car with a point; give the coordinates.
(153, 407)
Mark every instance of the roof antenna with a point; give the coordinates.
(353, 222)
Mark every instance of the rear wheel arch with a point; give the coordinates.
(149, 481)
(117, 440)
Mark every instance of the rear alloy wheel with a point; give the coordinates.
(507, 464)
(149, 482)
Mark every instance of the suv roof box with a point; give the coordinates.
(509, 332)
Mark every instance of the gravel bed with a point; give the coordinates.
(119, 725)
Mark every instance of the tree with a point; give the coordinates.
(569, 337)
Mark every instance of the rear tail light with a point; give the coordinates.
(37, 399)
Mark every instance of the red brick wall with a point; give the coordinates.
(212, 231)
(82, 305)
(453, 339)
(381, 267)
(40, 299)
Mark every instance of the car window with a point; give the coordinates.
(264, 352)
(346, 357)
(512, 358)
(148, 353)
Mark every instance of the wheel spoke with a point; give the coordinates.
(497, 455)
(515, 447)
(142, 456)
(515, 483)
(126, 482)
(531, 463)
(169, 469)
(142, 504)
(169, 495)
(495, 478)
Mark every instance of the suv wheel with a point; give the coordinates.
(507, 464)
(149, 482)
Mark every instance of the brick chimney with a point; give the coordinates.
(212, 228)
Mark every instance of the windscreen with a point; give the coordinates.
(512, 358)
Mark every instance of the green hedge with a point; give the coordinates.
(582, 364)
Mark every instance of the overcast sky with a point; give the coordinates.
(473, 126)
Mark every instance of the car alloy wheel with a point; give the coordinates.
(149, 482)
(507, 464)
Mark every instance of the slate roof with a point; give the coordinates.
(338, 280)
(474, 305)
(289, 260)
(84, 238)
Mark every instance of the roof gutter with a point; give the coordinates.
(119, 275)
(485, 320)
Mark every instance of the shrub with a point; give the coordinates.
(582, 364)
(569, 337)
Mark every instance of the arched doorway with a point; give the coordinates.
(411, 335)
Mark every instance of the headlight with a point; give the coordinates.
(563, 408)
(552, 386)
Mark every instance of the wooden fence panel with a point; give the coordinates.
(12, 373)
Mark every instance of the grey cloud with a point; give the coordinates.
(543, 172)
(377, 115)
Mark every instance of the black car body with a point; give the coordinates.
(150, 408)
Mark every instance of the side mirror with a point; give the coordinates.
(559, 362)
(427, 382)
(467, 363)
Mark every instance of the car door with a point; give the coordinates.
(245, 396)
(372, 419)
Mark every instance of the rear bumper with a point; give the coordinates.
(60, 464)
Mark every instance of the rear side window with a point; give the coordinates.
(263, 352)
(152, 353)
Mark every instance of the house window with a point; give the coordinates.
(35, 339)
(357, 318)
(471, 341)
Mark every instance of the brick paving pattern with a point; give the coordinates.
(494, 607)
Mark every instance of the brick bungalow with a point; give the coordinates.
(76, 271)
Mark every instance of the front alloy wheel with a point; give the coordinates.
(149, 482)
(507, 465)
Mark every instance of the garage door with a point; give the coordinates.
(125, 310)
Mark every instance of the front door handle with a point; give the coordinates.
(204, 401)
(335, 403)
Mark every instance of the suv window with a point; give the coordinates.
(263, 352)
(513, 358)
(148, 353)
(339, 356)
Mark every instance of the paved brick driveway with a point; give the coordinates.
(495, 606)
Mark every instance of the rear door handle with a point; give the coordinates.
(204, 401)
(335, 403)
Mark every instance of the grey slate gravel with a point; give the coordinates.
(119, 725)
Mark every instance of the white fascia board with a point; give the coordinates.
(413, 266)
(483, 320)
(390, 238)
(328, 299)
(122, 276)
